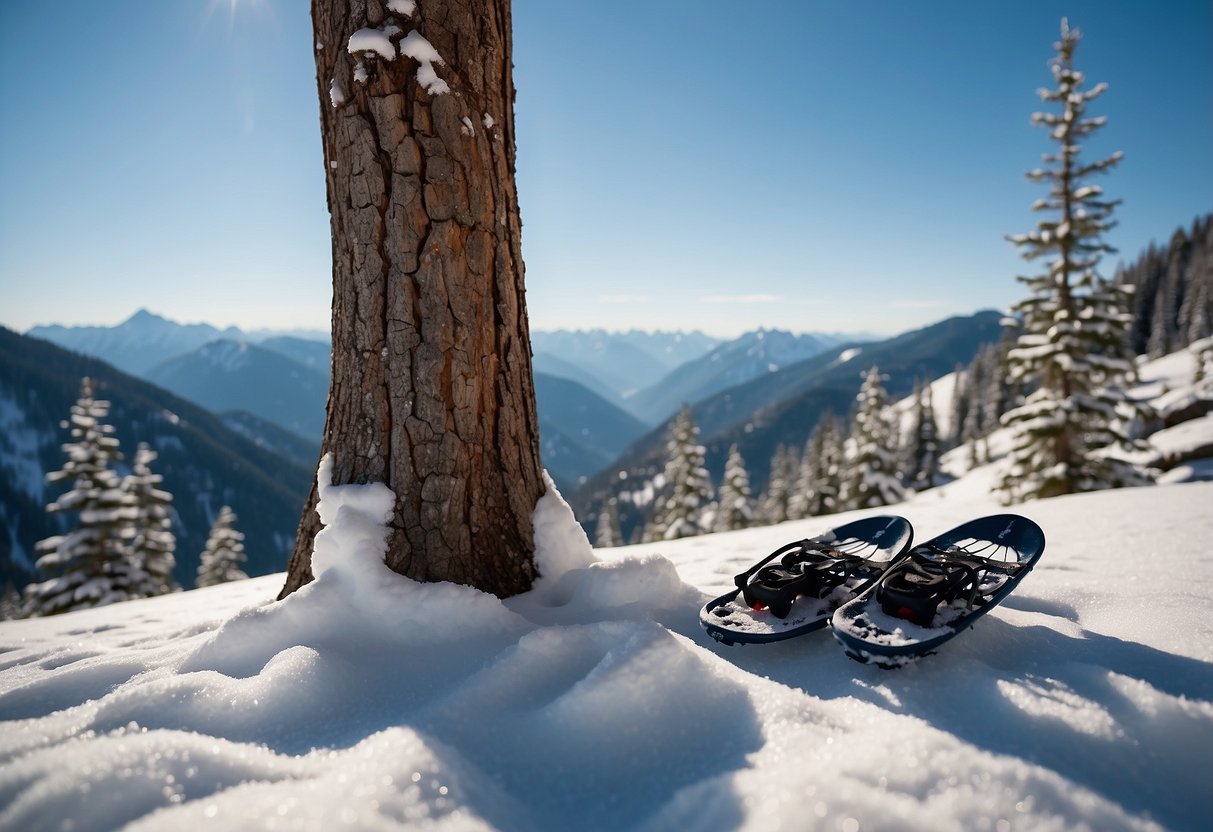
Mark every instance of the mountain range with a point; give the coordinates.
(137, 344)
(604, 399)
(202, 459)
(259, 383)
(726, 365)
(783, 406)
(228, 375)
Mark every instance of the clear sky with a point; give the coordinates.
(681, 165)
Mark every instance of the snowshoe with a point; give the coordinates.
(939, 589)
(795, 589)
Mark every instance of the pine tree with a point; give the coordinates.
(825, 448)
(959, 406)
(1067, 425)
(10, 603)
(90, 566)
(871, 471)
(154, 543)
(922, 448)
(1165, 336)
(607, 534)
(735, 508)
(1202, 353)
(800, 496)
(773, 505)
(974, 427)
(681, 515)
(224, 552)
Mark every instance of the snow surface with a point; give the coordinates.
(595, 701)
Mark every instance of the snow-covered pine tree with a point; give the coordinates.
(153, 546)
(974, 427)
(800, 496)
(90, 566)
(224, 552)
(870, 478)
(1202, 353)
(681, 515)
(921, 453)
(825, 448)
(958, 408)
(1196, 313)
(734, 507)
(1000, 396)
(773, 505)
(10, 603)
(1067, 427)
(607, 533)
(1164, 328)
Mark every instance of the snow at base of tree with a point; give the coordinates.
(369, 701)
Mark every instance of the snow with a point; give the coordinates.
(595, 701)
(376, 41)
(415, 46)
(847, 355)
(404, 7)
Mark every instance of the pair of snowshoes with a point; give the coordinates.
(886, 603)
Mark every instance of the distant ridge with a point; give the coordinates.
(204, 463)
(782, 407)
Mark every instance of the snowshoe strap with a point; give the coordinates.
(806, 568)
(930, 576)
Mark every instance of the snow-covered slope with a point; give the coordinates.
(366, 701)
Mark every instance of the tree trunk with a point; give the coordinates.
(432, 390)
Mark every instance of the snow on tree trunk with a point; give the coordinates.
(734, 506)
(224, 552)
(432, 390)
(154, 543)
(1067, 431)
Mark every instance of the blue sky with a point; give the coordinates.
(681, 165)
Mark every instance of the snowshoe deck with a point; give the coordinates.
(795, 589)
(938, 590)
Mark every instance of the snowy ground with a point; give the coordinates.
(366, 701)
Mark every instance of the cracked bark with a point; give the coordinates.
(432, 390)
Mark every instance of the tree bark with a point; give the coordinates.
(432, 390)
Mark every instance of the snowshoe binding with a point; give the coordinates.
(795, 589)
(939, 589)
